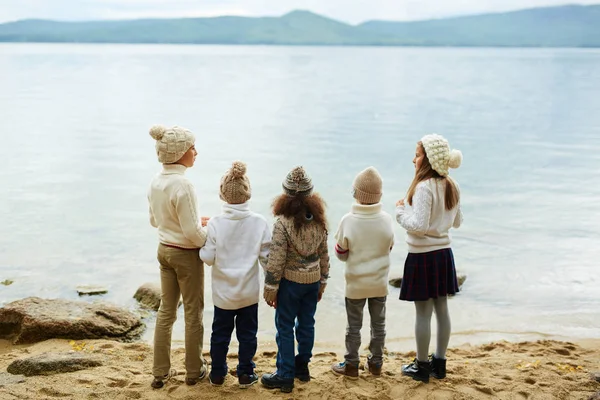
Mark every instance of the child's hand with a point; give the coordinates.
(204, 220)
(272, 303)
(400, 203)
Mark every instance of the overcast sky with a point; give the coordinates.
(353, 11)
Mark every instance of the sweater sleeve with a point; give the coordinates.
(265, 245)
(187, 212)
(208, 252)
(324, 262)
(341, 243)
(276, 263)
(152, 219)
(417, 222)
(458, 219)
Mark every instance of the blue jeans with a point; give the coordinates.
(296, 307)
(246, 327)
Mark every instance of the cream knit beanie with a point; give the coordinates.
(439, 155)
(171, 143)
(297, 182)
(367, 186)
(235, 186)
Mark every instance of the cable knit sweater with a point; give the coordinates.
(174, 210)
(428, 223)
(297, 255)
(364, 240)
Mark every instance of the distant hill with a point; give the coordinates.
(566, 26)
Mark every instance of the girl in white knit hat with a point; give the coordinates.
(181, 233)
(429, 271)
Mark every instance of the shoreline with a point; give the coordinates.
(543, 369)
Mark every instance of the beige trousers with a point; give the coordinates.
(181, 273)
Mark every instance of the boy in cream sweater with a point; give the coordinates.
(364, 240)
(238, 239)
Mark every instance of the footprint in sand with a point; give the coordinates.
(52, 392)
(524, 394)
(107, 346)
(135, 346)
(562, 352)
(485, 389)
(117, 382)
(132, 394)
(531, 381)
(269, 353)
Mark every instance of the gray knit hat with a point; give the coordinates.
(235, 186)
(297, 182)
(367, 186)
(171, 143)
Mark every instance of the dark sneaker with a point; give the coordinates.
(302, 372)
(438, 367)
(216, 380)
(246, 380)
(418, 370)
(274, 381)
(346, 369)
(193, 381)
(159, 381)
(373, 368)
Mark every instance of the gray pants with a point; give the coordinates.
(354, 310)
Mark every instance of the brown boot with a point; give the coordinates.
(374, 369)
(346, 369)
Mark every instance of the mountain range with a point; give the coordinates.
(563, 26)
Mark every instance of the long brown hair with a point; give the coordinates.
(298, 207)
(451, 195)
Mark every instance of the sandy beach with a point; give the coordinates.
(502, 370)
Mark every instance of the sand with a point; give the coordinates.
(501, 370)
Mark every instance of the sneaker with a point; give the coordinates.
(193, 381)
(418, 370)
(438, 367)
(302, 372)
(216, 380)
(159, 381)
(246, 380)
(373, 368)
(346, 369)
(274, 381)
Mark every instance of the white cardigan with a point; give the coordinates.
(428, 223)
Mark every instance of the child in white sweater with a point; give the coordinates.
(364, 240)
(238, 239)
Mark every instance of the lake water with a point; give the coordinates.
(77, 161)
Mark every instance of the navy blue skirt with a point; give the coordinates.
(429, 276)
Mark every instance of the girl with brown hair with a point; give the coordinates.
(429, 271)
(296, 276)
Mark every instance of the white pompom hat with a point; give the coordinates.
(439, 154)
(171, 143)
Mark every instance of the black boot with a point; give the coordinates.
(274, 381)
(418, 370)
(438, 367)
(302, 371)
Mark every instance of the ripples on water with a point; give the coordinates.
(77, 161)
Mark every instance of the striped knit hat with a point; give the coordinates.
(297, 182)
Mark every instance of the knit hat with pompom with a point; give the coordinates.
(235, 186)
(171, 143)
(439, 154)
(297, 182)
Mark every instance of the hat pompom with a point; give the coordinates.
(455, 159)
(238, 169)
(157, 132)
